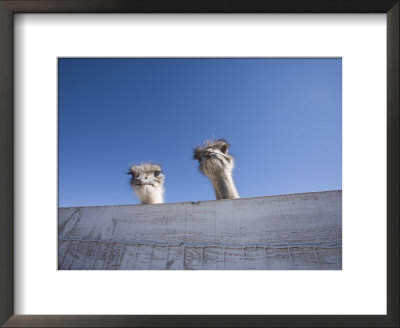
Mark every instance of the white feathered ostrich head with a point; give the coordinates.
(147, 182)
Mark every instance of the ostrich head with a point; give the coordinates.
(214, 159)
(147, 182)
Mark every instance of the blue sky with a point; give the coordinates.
(282, 117)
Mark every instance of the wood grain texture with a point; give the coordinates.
(299, 231)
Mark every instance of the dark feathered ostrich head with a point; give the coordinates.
(213, 157)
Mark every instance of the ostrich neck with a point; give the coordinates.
(224, 187)
(151, 196)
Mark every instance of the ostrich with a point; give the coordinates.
(148, 183)
(217, 164)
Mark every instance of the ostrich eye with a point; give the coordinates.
(157, 173)
(224, 148)
(197, 154)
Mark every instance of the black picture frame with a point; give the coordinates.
(7, 10)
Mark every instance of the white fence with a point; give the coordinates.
(285, 232)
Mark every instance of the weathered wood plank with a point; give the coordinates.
(299, 231)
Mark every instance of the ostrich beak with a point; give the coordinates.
(139, 182)
(207, 154)
(214, 155)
